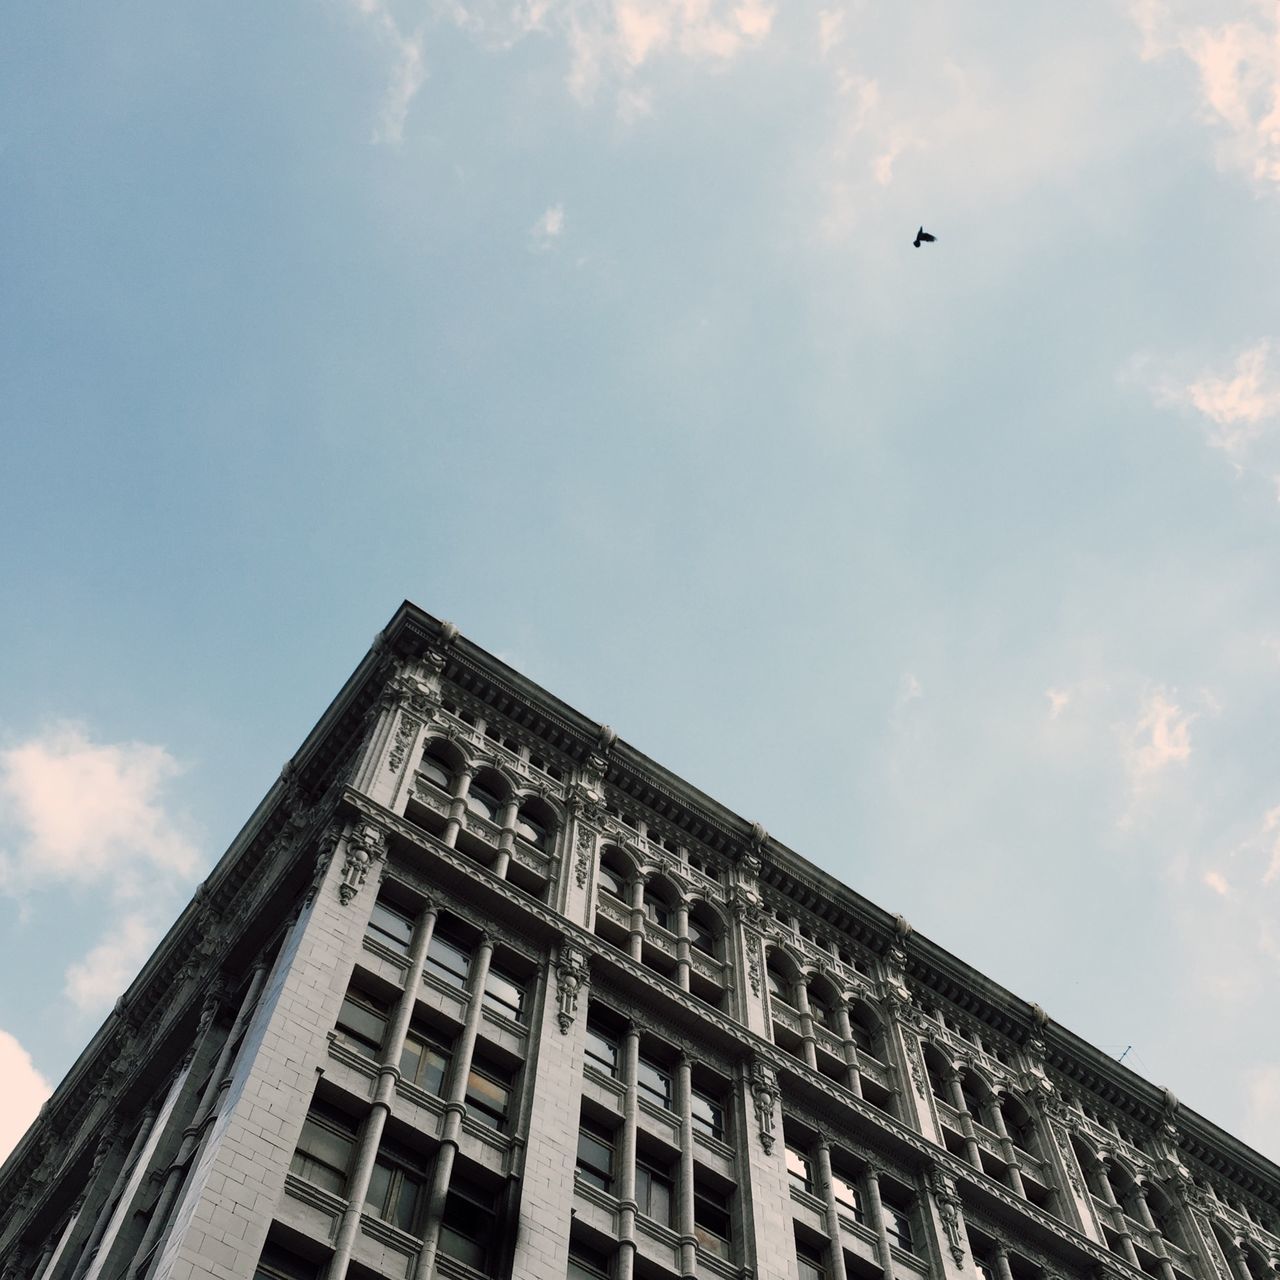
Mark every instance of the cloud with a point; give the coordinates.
(1240, 405)
(548, 228)
(1160, 738)
(96, 981)
(407, 75)
(1058, 701)
(1217, 882)
(23, 1091)
(1238, 66)
(1262, 846)
(85, 813)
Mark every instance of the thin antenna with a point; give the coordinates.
(1125, 1054)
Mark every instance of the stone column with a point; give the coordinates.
(107, 1205)
(458, 806)
(635, 935)
(1239, 1261)
(684, 1183)
(683, 962)
(1103, 1171)
(835, 1253)
(627, 1154)
(809, 1047)
(1157, 1237)
(1003, 1270)
(507, 836)
(852, 1076)
(455, 1108)
(762, 1164)
(1008, 1150)
(383, 1100)
(971, 1150)
(875, 1219)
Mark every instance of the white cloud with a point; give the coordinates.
(96, 981)
(1238, 405)
(23, 1091)
(548, 228)
(1160, 738)
(830, 29)
(1058, 701)
(1237, 59)
(1217, 882)
(1262, 846)
(88, 813)
(408, 73)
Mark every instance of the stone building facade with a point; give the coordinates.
(481, 991)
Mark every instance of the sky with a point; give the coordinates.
(596, 327)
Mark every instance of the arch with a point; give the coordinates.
(536, 822)
(1164, 1213)
(661, 897)
(707, 928)
(939, 1068)
(1020, 1123)
(782, 974)
(978, 1091)
(867, 1027)
(441, 762)
(824, 999)
(490, 790)
(617, 871)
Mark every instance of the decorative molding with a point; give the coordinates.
(764, 1092)
(916, 1066)
(572, 975)
(945, 1197)
(366, 845)
(585, 847)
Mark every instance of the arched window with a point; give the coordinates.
(780, 987)
(483, 802)
(437, 771)
(612, 883)
(657, 907)
(1021, 1126)
(534, 824)
(702, 934)
(865, 1030)
(938, 1070)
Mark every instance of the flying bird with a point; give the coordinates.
(923, 235)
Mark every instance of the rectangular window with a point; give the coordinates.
(708, 1115)
(653, 1193)
(811, 1267)
(800, 1170)
(602, 1051)
(897, 1225)
(424, 1062)
(324, 1149)
(711, 1221)
(654, 1083)
(279, 1264)
(985, 1268)
(362, 1023)
(586, 1263)
(504, 995)
(595, 1156)
(847, 1193)
(397, 1189)
(468, 1227)
(448, 961)
(391, 928)
(489, 1095)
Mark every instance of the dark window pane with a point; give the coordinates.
(488, 1097)
(701, 938)
(653, 1194)
(361, 1026)
(436, 772)
(534, 832)
(612, 883)
(424, 1063)
(595, 1160)
(391, 928)
(602, 1051)
(655, 1083)
(504, 995)
(658, 912)
(708, 1115)
(448, 961)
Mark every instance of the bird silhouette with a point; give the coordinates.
(923, 235)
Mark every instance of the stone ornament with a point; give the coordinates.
(366, 845)
(764, 1091)
(944, 1195)
(572, 975)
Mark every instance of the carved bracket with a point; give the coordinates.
(764, 1091)
(366, 845)
(944, 1195)
(572, 975)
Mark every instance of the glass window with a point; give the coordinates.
(653, 1193)
(504, 994)
(448, 961)
(435, 771)
(658, 912)
(362, 1024)
(612, 883)
(532, 832)
(847, 1194)
(397, 1189)
(489, 1095)
(586, 1263)
(800, 1170)
(863, 1036)
(820, 1012)
(595, 1156)
(602, 1051)
(279, 1264)
(324, 1149)
(985, 1268)
(811, 1267)
(701, 938)
(708, 1115)
(655, 1083)
(711, 1222)
(483, 802)
(392, 928)
(897, 1224)
(779, 987)
(467, 1229)
(424, 1062)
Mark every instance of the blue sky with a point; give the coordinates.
(595, 326)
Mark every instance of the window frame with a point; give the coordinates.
(374, 932)
(465, 1190)
(709, 1128)
(667, 1102)
(335, 1124)
(441, 972)
(427, 1041)
(490, 1072)
(590, 1059)
(593, 1174)
(654, 1177)
(362, 1001)
(517, 1012)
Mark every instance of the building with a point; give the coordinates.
(479, 990)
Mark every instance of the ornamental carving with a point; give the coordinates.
(582, 863)
(1068, 1157)
(764, 1092)
(572, 975)
(915, 1066)
(754, 975)
(944, 1195)
(406, 731)
(366, 845)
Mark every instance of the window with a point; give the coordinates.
(654, 1083)
(612, 883)
(391, 928)
(504, 995)
(468, 1228)
(862, 1033)
(800, 1170)
(436, 771)
(602, 1051)
(489, 1095)
(701, 938)
(595, 1155)
(483, 803)
(847, 1194)
(449, 961)
(653, 1193)
(711, 1221)
(820, 1012)
(586, 1263)
(658, 912)
(397, 1188)
(362, 1023)
(424, 1062)
(534, 833)
(708, 1115)
(779, 987)
(811, 1267)
(324, 1149)
(279, 1264)
(897, 1225)
(985, 1268)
